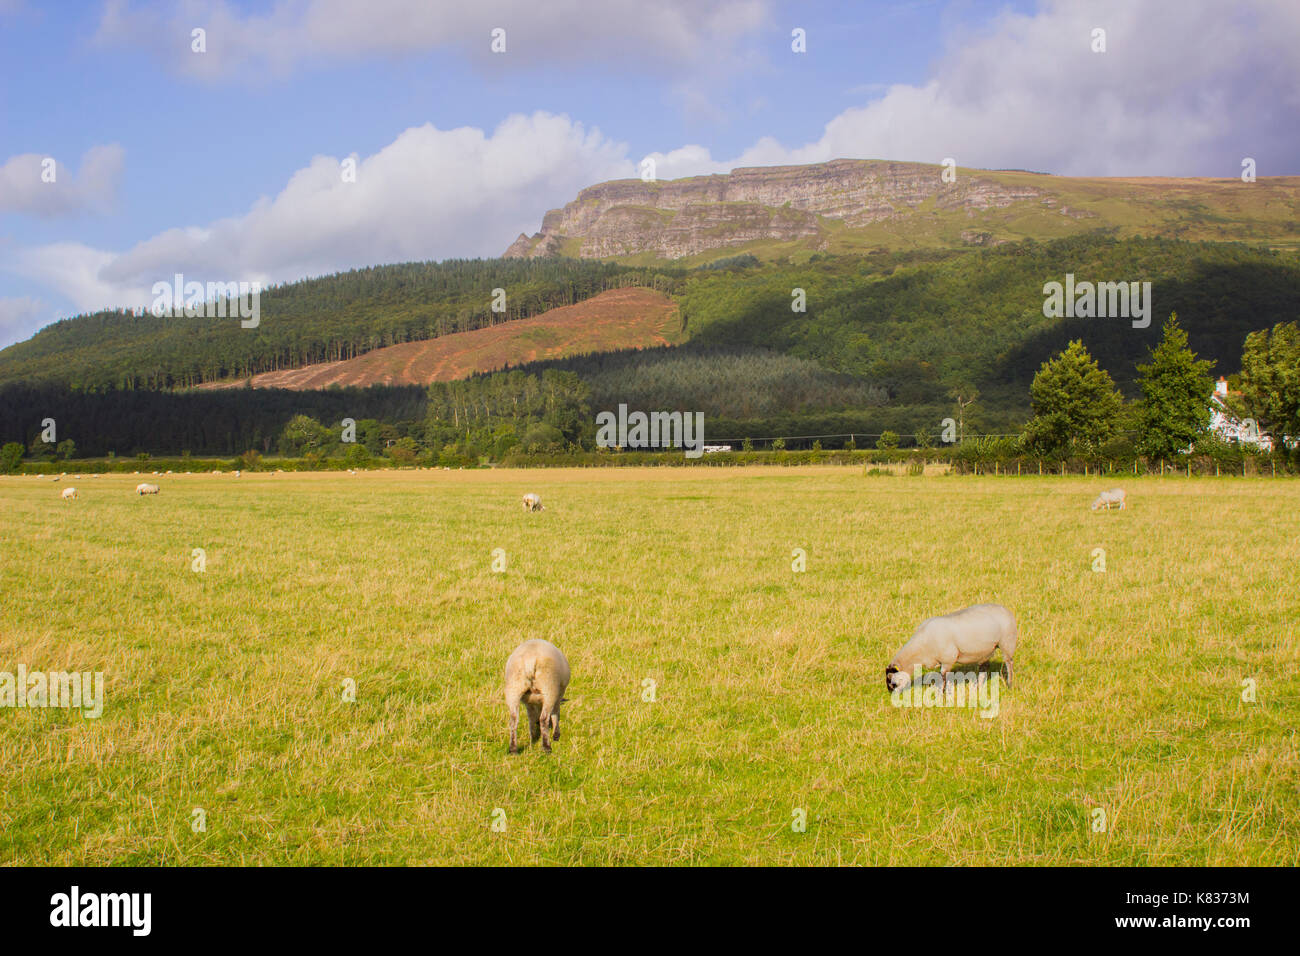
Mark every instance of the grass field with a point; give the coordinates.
(224, 689)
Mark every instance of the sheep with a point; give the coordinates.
(968, 636)
(537, 673)
(533, 502)
(146, 489)
(1108, 498)
(236, 474)
(69, 494)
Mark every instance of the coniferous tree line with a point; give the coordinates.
(316, 320)
(888, 343)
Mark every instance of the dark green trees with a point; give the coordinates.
(1076, 405)
(1176, 387)
(1270, 378)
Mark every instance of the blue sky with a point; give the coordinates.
(226, 163)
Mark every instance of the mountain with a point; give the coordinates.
(859, 206)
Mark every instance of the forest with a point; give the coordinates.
(886, 342)
(316, 320)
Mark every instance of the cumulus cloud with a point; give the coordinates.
(430, 194)
(665, 32)
(1185, 88)
(43, 186)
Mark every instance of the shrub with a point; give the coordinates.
(11, 457)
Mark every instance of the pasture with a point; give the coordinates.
(224, 689)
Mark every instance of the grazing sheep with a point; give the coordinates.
(537, 674)
(1108, 498)
(146, 489)
(533, 502)
(968, 636)
(68, 494)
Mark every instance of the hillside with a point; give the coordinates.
(619, 319)
(860, 206)
(326, 319)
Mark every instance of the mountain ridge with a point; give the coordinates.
(850, 205)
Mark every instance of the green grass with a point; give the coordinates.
(223, 688)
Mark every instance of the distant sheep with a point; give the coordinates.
(1108, 498)
(69, 494)
(146, 489)
(968, 636)
(533, 502)
(537, 674)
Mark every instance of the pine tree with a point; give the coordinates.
(1176, 389)
(1076, 406)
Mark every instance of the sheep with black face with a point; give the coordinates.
(968, 636)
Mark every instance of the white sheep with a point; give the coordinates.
(533, 502)
(1108, 498)
(146, 489)
(68, 494)
(968, 636)
(537, 674)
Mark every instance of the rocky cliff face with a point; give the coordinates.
(684, 217)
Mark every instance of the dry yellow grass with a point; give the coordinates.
(224, 689)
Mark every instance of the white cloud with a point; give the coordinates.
(665, 32)
(430, 194)
(1185, 88)
(43, 186)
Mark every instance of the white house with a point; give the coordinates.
(1230, 428)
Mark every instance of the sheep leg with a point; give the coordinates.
(555, 723)
(534, 731)
(1008, 672)
(514, 727)
(546, 728)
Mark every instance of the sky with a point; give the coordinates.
(223, 156)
